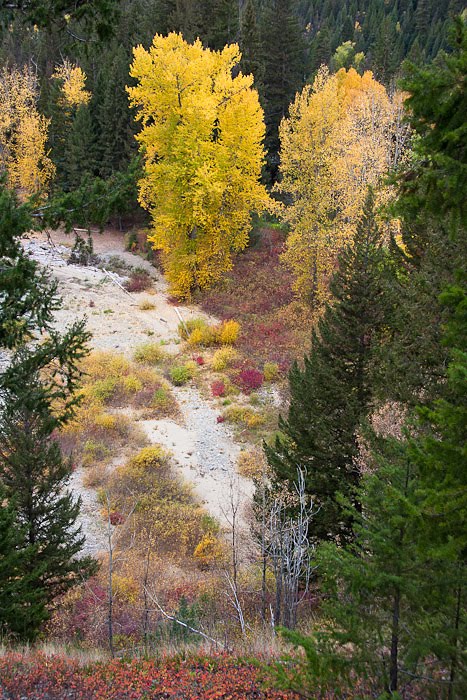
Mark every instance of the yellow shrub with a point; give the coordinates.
(196, 337)
(223, 358)
(253, 420)
(204, 335)
(243, 414)
(105, 421)
(131, 384)
(125, 588)
(100, 365)
(228, 332)
(270, 371)
(186, 329)
(250, 464)
(149, 354)
(149, 458)
(207, 551)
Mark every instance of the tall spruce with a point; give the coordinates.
(332, 393)
(22, 608)
(250, 44)
(37, 385)
(283, 57)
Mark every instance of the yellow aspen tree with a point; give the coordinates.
(73, 78)
(343, 133)
(23, 133)
(202, 140)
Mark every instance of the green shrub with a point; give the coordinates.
(180, 374)
(161, 400)
(103, 389)
(94, 451)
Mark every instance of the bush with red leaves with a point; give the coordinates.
(116, 518)
(218, 388)
(199, 360)
(249, 380)
(40, 677)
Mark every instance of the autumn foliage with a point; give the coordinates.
(201, 136)
(344, 133)
(213, 678)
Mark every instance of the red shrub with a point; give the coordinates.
(220, 419)
(116, 518)
(249, 380)
(218, 388)
(199, 360)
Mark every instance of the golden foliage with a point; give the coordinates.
(23, 133)
(229, 332)
(202, 134)
(73, 80)
(197, 332)
(344, 133)
(223, 358)
(208, 551)
(251, 464)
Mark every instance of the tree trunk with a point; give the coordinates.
(393, 667)
(454, 657)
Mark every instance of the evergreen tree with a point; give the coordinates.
(283, 57)
(439, 449)
(432, 208)
(332, 393)
(22, 607)
(80, 161)
(115, 142)
(386, 51)
(36, 399)
(250, 44)
(387, 601)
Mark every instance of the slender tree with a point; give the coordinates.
(332, 393)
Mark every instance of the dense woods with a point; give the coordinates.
(297, 169)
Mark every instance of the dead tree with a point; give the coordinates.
(285, 545)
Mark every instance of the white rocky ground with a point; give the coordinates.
(203, 450)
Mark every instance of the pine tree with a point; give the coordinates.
(250, 44)
(283, 57)
(81, 161)
(439, 449)
(433, 212)
(332, 393)
(115, 132)
(36, 398)
(22, 605)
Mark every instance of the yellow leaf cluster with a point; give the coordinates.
(73, 80)
(202, 133)
(344, 133)
(23, 133)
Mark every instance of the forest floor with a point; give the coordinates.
(203, 450)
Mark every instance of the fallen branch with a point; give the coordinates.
(183, 624)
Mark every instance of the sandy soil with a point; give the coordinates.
(203, 451)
